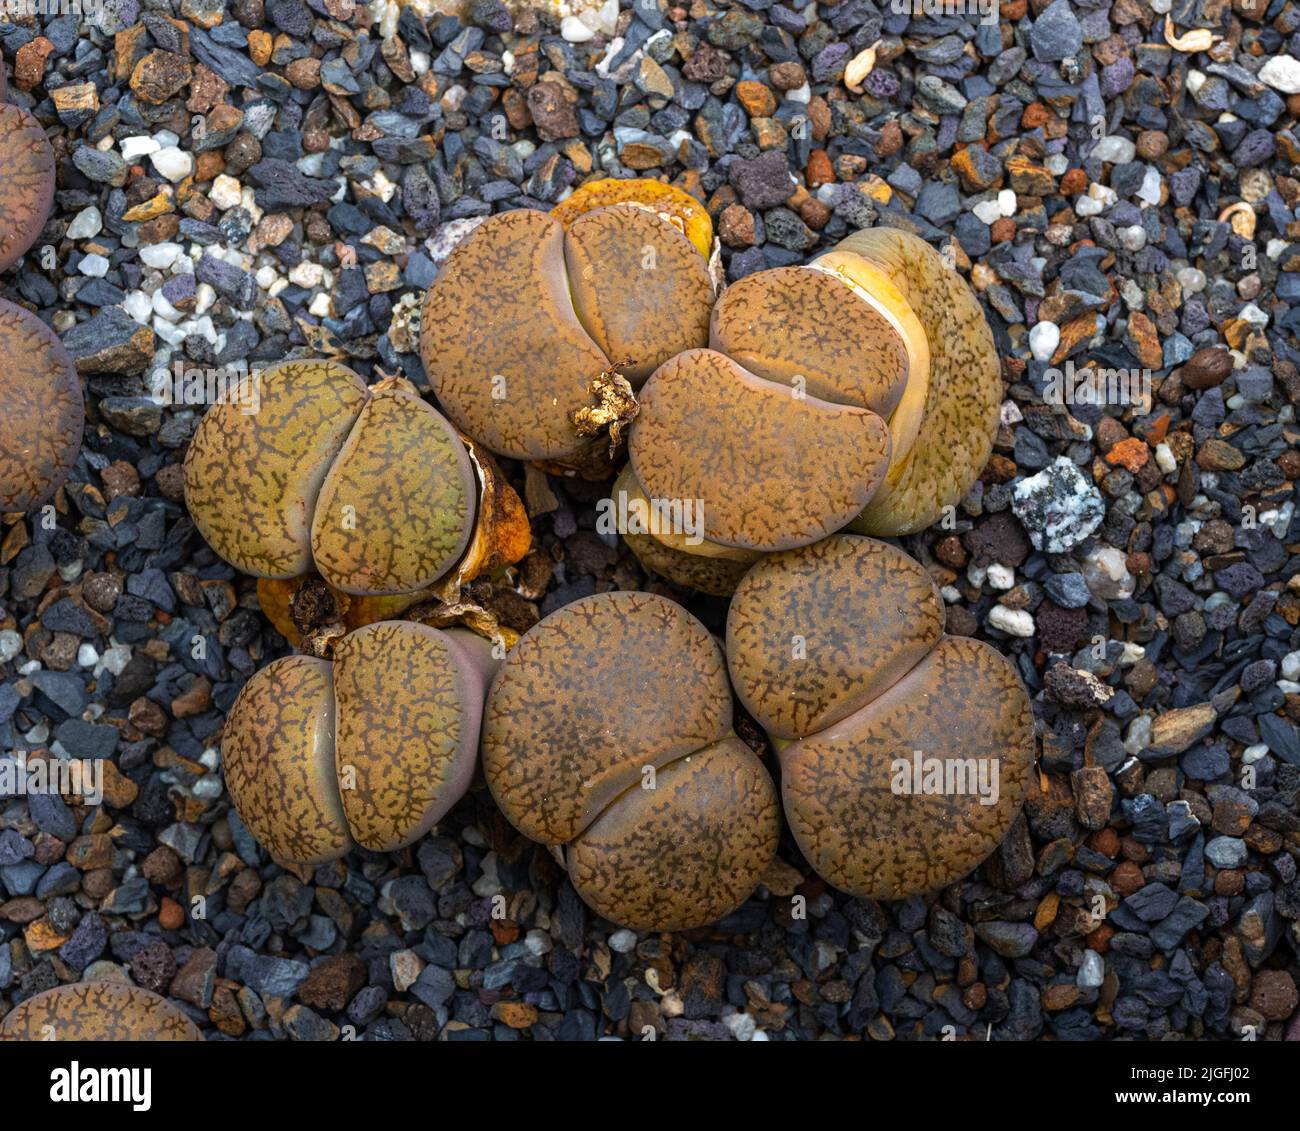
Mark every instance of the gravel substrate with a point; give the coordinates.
(1120, 182)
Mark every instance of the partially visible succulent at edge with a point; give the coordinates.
(42, 412)
(97, 1011)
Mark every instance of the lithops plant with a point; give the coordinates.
(860, 391)
(905, 753)
(533, 315)
(370, 748)
(371, 487)
(42, 413)
(97, 1011)
(27, 185)
(607, 734)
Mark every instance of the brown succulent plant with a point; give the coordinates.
(42, 413)
(838, 650)
(859, 391)
(27, 186)
(97, 1011)
(531, 311)
(371, 487)
(371, 748)
(608, 732)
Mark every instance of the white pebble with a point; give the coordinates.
(1165, 458)
(573, 30)
(1149, 192)
(173, 163)
(1015, 622)
(1291, 665)
(225, 191)
(1088, 206)
(1282, 72)
(307, 274)
(87, 657)
(1115, 149)
(115, 659)
(1043, 340)
(10, 645)
(987, 211)
(160, 255)
(172, 335)
(87, 223)
(163, 308)
(1007, 202)
(94, 265)
(138, 146)
(320, 305)
(1092, 971)
(1000, 577)
(1134, 238)
(1191, 279)
(622, 941)
(138, 305)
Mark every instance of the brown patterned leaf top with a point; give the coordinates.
(686, 852)
(27, 183)
(963, 395)
(97, 1011)
(505, 351)
(251, 479)
(590, 696)
(42, 414)
(277, 753)
(396, 509)
(791, 322)
(639, 287)
(773, 469)
(963, 701)
(409, 702)
(816, 633)
(879, 681)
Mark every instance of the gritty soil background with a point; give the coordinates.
(272, 178)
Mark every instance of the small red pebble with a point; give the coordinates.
(170, 915)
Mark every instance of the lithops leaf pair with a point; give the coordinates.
(608, 731)
(860, 390)
(27, 181)
(371, 487)
(42, 413)
(371, 748)
(530, 310)
(905, 753)
(97, 1011)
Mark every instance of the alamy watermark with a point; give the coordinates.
(195, 385)
(920, 776)
(13, 10)
(986, 10)
(82, 778)
(1097, 386)
(626, 514)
